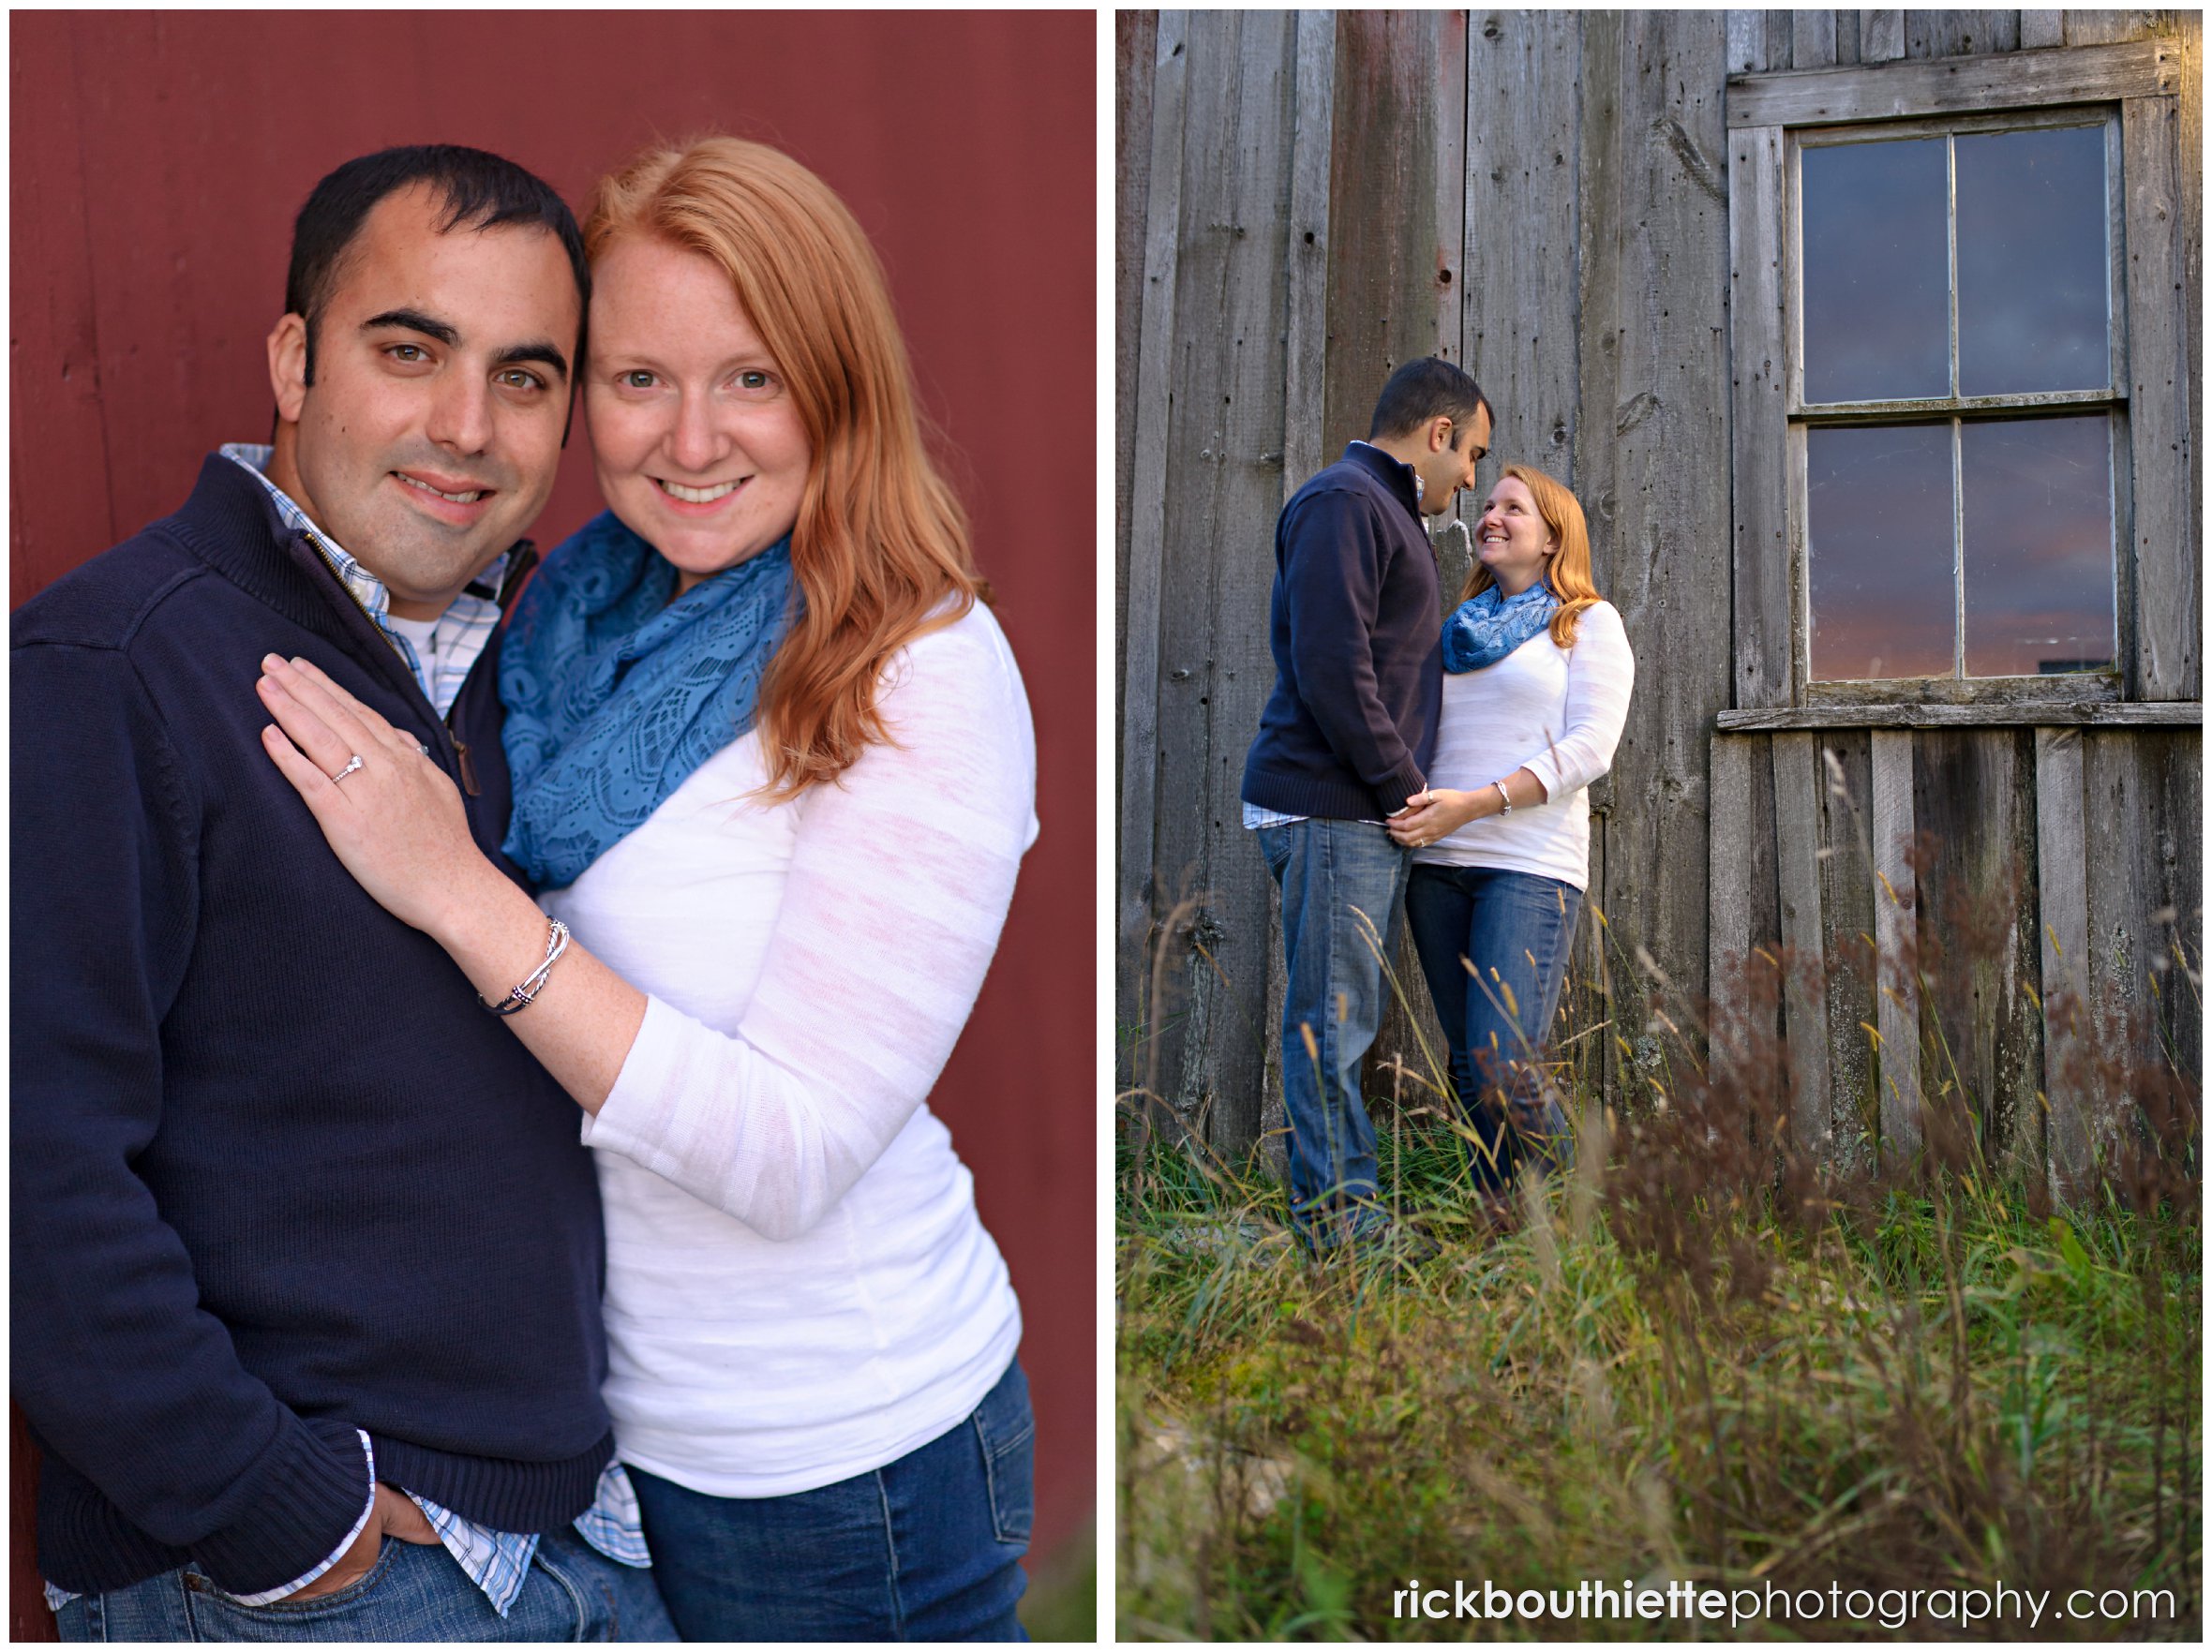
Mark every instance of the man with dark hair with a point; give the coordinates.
(1344, 743)
(472, 187)
(306, 1250)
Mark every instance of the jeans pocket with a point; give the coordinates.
(1006, 1430)
(291, 1609)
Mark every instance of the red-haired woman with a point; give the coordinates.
(773, 774)
(1537, 674)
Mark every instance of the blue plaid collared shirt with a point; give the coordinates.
(496, 1562)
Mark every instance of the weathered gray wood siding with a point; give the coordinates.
(1306, 201)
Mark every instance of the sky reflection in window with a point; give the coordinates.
(1876, 268)
(1879, 551)
(2039, 551)
(2033, 263)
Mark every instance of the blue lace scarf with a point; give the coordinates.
(1489, 625)
(615, 695)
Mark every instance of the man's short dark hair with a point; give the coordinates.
(480, 191)
(1431, 388)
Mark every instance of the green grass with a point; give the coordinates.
(1682, 1367)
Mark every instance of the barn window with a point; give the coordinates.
(1956, 383)
(1960, 467)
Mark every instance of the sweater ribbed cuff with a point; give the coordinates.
(1392, 793)
(304, 1494)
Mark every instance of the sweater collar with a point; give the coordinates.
(1395, 474)
(232, 524)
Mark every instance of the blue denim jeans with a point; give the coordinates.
(414, 1592)
(927, 1548)
(1515, 929)
(1343, 895)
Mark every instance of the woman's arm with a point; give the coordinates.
(900, 881)
(399, 826)
(1601, 672)
(1441, 810)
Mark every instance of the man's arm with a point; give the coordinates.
(120, 1371)
(1332, 572)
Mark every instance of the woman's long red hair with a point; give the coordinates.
(1568, 573)
(880, 549)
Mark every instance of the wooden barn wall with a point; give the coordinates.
(1544, 197)
(1996, 833)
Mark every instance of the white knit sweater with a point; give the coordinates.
(1557, 712)
(798, 1287)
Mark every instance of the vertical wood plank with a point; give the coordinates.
(1146, 549)
(2175, 942)
(1599, 46)
(1382, 268)
(1746, 42)
(2062, 900)
(1227, 487)
(1960, 34)
(1397, 86)
(2102, 28)
(1850, 966)
(28, 1620)
(1306, 255)
(2141, 794)
(1521, 208)
(2161, 424)
(2189, 27)
(1812, 39)
(1882, 37)
(1798, 783)
(1759, 433)
(1655, 375)
(1728, 937)
(1781, 36)
(1136, 36)
(1447, 258)
(1896, 909)
(2038, 29)
(1974, 798)
(1307, 252)
(54, 328)
(1846, 37)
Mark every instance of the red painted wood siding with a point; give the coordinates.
(156, 162)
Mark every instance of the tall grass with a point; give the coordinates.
(1712, 1353)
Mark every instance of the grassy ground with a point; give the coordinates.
(1689, 1363)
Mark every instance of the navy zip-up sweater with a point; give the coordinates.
(1350, 727)
(274, 1175)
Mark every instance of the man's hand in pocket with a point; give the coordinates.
(394, 1516)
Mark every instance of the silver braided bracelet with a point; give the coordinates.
(522, 997)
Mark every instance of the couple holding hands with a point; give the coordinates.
(1433, 775)
(472, 1176)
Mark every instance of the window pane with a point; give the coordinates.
(1877, 261)
(2037, 507)
(1878, 548)
(2033, 262)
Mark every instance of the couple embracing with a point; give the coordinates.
(1435, 774)
(378, 928)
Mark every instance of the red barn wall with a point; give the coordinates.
(157, 161)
